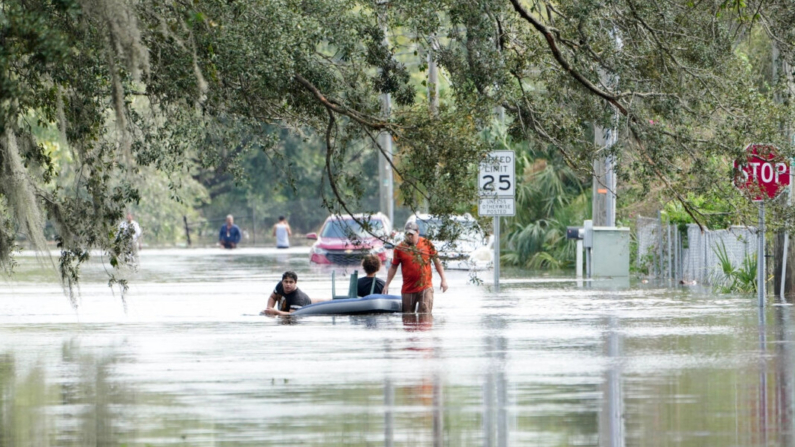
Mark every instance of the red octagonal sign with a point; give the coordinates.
(764, 172)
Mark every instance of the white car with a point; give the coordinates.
(466, 248)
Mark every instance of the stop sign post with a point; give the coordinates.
(763, 174)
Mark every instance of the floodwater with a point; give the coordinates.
(544, 362)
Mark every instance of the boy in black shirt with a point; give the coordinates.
(289, 296)
(364, 287)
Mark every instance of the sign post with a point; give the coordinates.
(496, 189)
(761, 175)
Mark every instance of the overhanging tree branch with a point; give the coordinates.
(365, 225)
(333, 106)
(610, 98)
(553, 46)
(336, 107)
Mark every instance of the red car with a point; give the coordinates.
(343, 241)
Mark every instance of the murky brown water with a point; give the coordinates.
(543, 363)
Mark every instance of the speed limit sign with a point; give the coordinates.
(496, 178)
(496, 184)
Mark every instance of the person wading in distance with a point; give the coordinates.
(229, 236)
(282, 232)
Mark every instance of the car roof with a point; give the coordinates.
(359, 216)
(363, 217)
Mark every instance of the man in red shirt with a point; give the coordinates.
(414, 256)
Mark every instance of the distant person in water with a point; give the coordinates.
(286, 297)
(370, 285)
(282, 232)
(229, 235)
(130, 226)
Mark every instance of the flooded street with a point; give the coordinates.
(545, 362)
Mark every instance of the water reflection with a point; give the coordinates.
(784, 373)
(611, 416)
(539, 363)
(417, 321)
(425, 392)
(389, 413)
(761, 407)
(80, 405)
(495, 386)
(495, 394)
(768, 415)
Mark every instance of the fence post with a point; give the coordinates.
(187, 230)
(660, 243)
(670, 266)
(680, 266)
(638, 236)
(706, 257)
(761, 257)
(253, 227)
(676, 262)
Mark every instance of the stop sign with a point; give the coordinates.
(763, 173)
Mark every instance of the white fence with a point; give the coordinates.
(665, 252)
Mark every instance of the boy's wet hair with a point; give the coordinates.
(290, 274)
(371, 264)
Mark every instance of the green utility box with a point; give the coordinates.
(610, 252)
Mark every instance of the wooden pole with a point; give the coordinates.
(187, 229)
(253, 226)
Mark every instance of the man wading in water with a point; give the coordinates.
(414, 256)
(282, 232)
(229, 236)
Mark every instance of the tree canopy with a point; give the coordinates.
(177, 86)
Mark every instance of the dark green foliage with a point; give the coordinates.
(198, 88)
(731, 278)
(550, 197)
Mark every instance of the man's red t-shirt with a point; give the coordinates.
(415, 262)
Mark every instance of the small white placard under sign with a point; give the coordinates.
(496, 207)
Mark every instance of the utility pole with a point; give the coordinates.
(501, 118)
(604, 176)
(784, 251)
(604, 179)
(433, 91)
(433, 78)
(385, 178)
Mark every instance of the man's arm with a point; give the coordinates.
(289, 231)
(440, 269)
(390, 274)
(271, 310)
